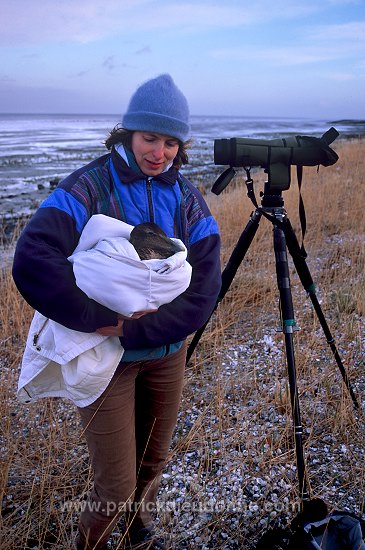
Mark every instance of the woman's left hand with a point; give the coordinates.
(113, 330)
(118, 329)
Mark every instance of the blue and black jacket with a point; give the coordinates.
(109, 186)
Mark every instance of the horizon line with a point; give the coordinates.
(117, 116)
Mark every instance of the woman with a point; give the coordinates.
(129, 427)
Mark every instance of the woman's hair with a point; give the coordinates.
(120, 135)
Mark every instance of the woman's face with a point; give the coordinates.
(153, 152)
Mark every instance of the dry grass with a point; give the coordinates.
(235, 411)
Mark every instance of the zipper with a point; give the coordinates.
(149, 199)
(37, 335)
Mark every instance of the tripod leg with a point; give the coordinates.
(288, 323)
(308, 284)
(230, 271)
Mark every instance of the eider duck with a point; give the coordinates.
(150, 241)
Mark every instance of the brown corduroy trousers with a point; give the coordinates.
(128, 432)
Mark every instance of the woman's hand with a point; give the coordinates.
(113, 330)
(138, 314)
(118, 329)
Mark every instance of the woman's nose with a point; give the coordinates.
(158, 150)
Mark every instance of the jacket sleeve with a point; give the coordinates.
(173, 322)
(45, 278)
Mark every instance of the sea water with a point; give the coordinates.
(36, 150)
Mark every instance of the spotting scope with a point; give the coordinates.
(277, 155)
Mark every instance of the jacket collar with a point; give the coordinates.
(128, 175)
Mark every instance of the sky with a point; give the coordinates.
(229, 57)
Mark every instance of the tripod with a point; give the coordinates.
(284, 238)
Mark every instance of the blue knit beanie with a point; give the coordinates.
(159, 106)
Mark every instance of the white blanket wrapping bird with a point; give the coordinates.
(108, 269)
(60, 362)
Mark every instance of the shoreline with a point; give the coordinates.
(15, 214)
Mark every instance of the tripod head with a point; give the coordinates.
(275, 156)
